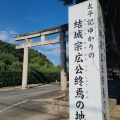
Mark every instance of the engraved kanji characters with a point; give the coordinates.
(78, 80)
(78, 24)
(80, 116)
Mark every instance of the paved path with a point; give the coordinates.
(20, 104)
(29, 104)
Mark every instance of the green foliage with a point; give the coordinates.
(16, 66)
(6, 47)
(8, 78)
(7, 58)
(34, 67)
(3, 66)
(39, 58)
(40, 69)
(13, 78)
(9, 54)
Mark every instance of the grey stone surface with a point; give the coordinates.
(25, 65)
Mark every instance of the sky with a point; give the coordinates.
(24, 16)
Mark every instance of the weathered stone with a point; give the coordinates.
(25, 65)
(63, 61)
(61, 103)
(42, 32)
(61, 108)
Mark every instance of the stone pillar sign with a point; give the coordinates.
(87, 63)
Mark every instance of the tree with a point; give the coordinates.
(8, 59)
(16, 66)
(3, 66)
(36, 57)
(111, 14)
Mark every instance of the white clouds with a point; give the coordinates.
(55, 52)
(13, 32)
(52, 49)
(3, 35)
(7, 36)
(54, 61)
(40, 51)
(51, 46)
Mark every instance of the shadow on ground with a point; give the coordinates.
(114, 90)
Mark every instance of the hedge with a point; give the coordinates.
(8, 78)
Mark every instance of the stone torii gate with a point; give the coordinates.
(62, 39)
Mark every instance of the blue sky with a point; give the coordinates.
(24, 16)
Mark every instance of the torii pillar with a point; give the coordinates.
(63, 60)
(25, 65)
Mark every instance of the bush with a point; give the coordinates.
(8, 59)
(10, 78)
(15, 66)
(13, 78)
